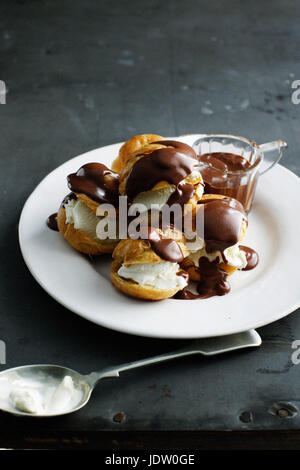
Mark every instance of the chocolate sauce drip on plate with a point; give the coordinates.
(96, 181)
(171, 164)
(166, 248)
(213, 281)
(186, 294)
(223, 220)
(251, 257)
(52, 222)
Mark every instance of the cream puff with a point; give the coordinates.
(93, 184)
(150, 268)
(160, 173)
(219, 255)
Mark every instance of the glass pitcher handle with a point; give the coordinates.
(272, 148)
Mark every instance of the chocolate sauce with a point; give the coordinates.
(52, 222)
(223, 220)
(222, 176)
(251, 257)
(184, 275)
(213, 278)
(96, 181)
(166, 248)
(213, 281)
(224, 162)
(182, 194)
(67, 198)
(186, 294)
(171, 164)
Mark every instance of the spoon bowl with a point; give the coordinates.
(47, 377)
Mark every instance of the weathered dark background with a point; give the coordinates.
(82, 74)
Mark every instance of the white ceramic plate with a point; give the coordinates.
(257, 297)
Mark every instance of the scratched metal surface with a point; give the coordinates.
(84, 74)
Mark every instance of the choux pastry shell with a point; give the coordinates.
(131, 147)
(81, 241)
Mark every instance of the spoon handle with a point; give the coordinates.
(206, 347)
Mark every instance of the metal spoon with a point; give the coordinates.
(52, 374)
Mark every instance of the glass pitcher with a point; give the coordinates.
(239, 184)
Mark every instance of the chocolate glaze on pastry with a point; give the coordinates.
(166, 248)
(96, 181)
(182, 194)
(223, 220)
(171, 164)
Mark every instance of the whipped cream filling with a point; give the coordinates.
(233, 255)
(193, 242)
(83, 218)
(162, 275)
(159, 197)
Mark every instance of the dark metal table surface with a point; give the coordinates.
(83, 74)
